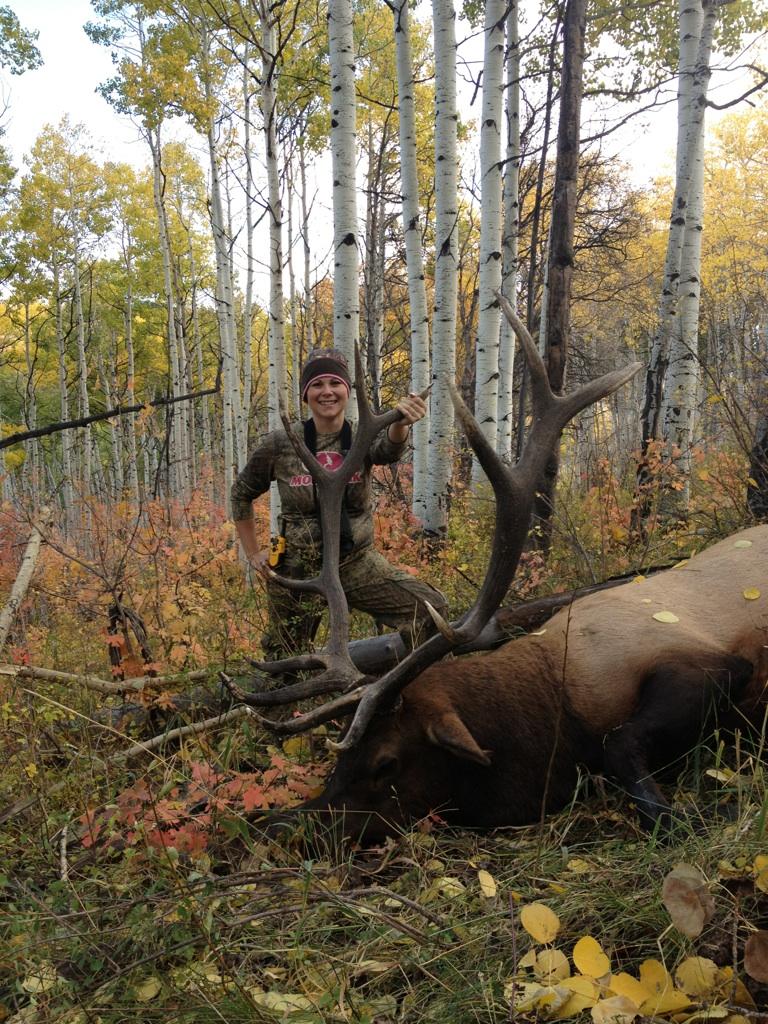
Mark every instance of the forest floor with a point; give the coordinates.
(141, 888)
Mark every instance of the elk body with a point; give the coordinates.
(497, 739)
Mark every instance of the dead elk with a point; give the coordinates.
(609, 684)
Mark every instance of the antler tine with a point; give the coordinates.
(540, 389)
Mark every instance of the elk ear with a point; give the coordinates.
(447, 730)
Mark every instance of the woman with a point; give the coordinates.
(392, 596)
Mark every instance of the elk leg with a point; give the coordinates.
(677, 701)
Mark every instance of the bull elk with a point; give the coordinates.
(496, 739)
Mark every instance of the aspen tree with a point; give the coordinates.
(446, 269)
(511, 231)
(412, 234)
(488, 324)
(346, 303)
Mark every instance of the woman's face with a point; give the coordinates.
(327, 399)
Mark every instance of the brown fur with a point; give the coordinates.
(494, 739)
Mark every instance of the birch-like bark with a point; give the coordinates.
(249, 262)
(133, 467)
(293, 300)
(510, 242)
(682, 387)
(440, 457)
(84, 406)
(412, 235)
(67, 491)
(205, 415)
(346, 304)
(31, 447)
(689, 118)
(309, 333)
(681, 392)
(24, 575)
(176, 437)
(230, 397)
(277, 376)
(489, 316)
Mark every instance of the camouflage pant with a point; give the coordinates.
(390, 595)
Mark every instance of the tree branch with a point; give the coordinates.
(119, 410)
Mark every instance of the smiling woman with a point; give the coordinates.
(392, 596)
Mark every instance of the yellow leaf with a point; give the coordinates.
(697, 975)
(579, 866)
(727, 777)
(450, 887)
(373, 967)
(760, 862)
(616, 1010)
(551, 966)
(639, 578)
(541, 923)
(703, 475)
(665, 617)
(761, 882)
(532, 996)
(30, 770)
(296, 746)
(679, 565)
(589, 958)
(624, 984)
(584, 993)
(751, 594)
(714, 399)
(282, 1002)
(742, 544)
(529, 960)
(40, 979)
(710, 1013)
(654, 976)
(145, 991)
(671, 1001)
(487, 884)
(646, 600)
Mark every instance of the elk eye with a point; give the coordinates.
(385, 768)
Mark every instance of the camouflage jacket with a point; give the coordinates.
(275, 459)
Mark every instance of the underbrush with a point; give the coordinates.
(427, 928)
(142, 889)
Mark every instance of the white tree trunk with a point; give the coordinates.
(133, 467)
(489, 318)
(511, 235)
(412, 234)
(684, 372)
(176, 440)
(67, 490)
(24, 575)
(309, 334)
(346, 305)
(277, 376)
(440, 458)
(249, 263)
(690, 116)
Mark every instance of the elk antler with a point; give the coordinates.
(514, 488)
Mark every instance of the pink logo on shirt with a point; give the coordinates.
(329, 460)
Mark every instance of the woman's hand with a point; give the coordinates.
(412, 408)
(259, 561)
